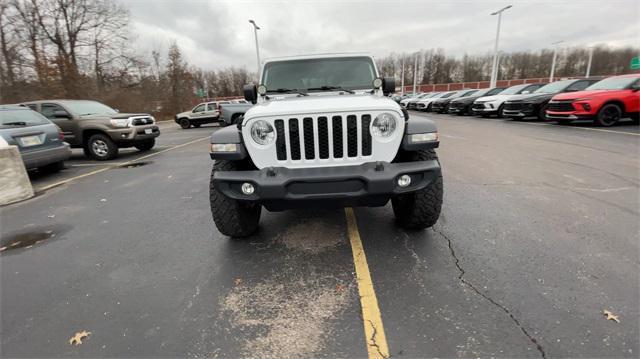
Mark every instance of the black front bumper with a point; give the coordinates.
(369, 184)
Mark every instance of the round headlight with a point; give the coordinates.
(262, 132)
(384, 125)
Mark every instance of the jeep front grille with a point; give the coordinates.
(319, 137)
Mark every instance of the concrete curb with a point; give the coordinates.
(15, 184)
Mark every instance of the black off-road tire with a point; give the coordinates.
(145, 145)
(420, 209)
(110, 148)
(233, 218)
(184, 123)
(608, 115)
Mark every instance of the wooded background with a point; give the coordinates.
(84, 49)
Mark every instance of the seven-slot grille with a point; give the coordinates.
(323, 137)
(561, 106)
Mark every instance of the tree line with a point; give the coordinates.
(84, 49)
(436, 67)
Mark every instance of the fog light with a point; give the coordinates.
(247, 188)
(404, 180)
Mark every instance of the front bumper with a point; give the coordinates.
(134, 133)
(567, 116)
(43, 157)
(369, 184)
(524, 111)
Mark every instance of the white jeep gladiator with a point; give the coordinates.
(324, 133)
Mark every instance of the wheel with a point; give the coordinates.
(608, 115)
(184, 123)
(500, 113)
(420, 209)
(429, 108)
(232, 217)
(197, 125)
(542, 113)
(145, 145)
(53, 167)
(101, 148)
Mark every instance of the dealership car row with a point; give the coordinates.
(605, 102)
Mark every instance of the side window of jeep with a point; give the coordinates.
(211, 106)
(199, 108)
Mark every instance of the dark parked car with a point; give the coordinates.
(462, 105)
(40, 142)
(494, 105)
(535, 103)
(97, 128)
(441, 105)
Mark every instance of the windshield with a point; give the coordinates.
(448, 94)
(350, 73)
(468, 93)
(89, 108)
(514, 89)
(613, 83)
(21, 118)
(554, 87)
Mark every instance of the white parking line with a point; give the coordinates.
(115, 165)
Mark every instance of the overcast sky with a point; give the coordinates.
(216, 34)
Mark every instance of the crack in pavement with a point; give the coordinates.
(373, 340)
(485, 296)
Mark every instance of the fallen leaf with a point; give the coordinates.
(339, 287)
(610, 316)
(103, 200)
(77, 339)
(238, 281)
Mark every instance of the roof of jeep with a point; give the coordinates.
(317, 56)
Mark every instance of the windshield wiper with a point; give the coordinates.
(17, 123)
(86, 114)
(329, 88)
(283, 90)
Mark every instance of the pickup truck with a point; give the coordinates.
(97, 128)
(324, 133)
(206, 112)
(232, 112)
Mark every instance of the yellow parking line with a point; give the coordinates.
(114, 165)
(373, 330)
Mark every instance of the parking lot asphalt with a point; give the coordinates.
(538, 235)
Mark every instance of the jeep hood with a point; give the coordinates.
(296, 106)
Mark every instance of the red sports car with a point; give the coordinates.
(605, 102)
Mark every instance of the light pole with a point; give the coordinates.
(402, 75)
(553, 62)
(415, 73)
(589, 62)
(494, 69)
(255, 32)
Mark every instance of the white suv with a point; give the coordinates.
(324, 133)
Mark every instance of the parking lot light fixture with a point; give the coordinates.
(553, 62)
(589, 61)
(255, 33)
(494, 69)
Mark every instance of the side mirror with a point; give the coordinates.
(635, 87)
(115, 109)
(61, 114)
(250, 93)
(388, 85)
